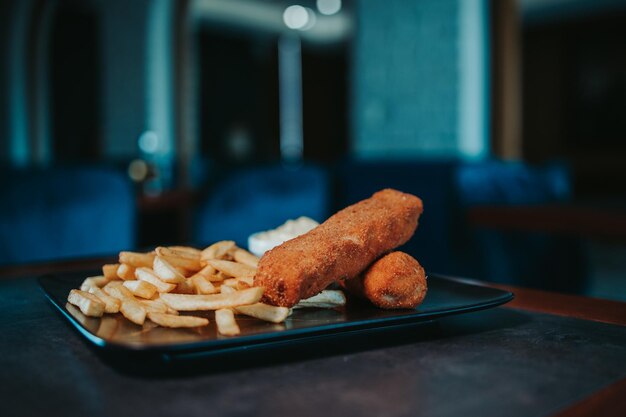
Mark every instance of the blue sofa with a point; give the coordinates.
(247, 200)
(64, 212)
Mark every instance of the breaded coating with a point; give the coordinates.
(394, 281)
(340, 248)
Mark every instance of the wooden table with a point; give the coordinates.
(46, 366)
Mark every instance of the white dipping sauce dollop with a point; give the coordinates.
(261, 242)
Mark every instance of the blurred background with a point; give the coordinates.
(130, 124)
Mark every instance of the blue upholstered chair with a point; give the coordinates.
(64, 212)
(512, 183)
(252, 199)
(535, 259)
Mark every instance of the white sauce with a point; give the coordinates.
(261, 242)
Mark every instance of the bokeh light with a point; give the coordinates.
(328, 7)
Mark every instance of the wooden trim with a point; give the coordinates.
(608, 402)
(566, 305)
(506, 47)
(182, 89)
(33, 87)
(586, 308)
(570, 220)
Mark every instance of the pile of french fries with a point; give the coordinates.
(158, 285)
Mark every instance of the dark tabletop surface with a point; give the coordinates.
(492, 363)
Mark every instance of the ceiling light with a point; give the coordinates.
(298, 17)
(328, 7)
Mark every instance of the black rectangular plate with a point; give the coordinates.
(113, 332)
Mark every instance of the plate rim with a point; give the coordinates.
(215, 345)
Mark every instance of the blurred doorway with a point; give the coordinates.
(239, 73)
(238, 86)
(75, 83)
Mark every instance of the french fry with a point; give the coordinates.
(136, 259)
(157, 306)
(133, 311)
(242, 285)
(183, 302)
(170, 320)
(207, 271)
(126, 272)
(325, 299)
(211, 274)
(230, 282)
(166, 272)
(244, 257)
(130, 307)
(110, 271)
(185, 287)
(80, 317)
(89, 304)
(264, 312)
(168, 251)
(183, 264)
(233, 269)
(98, 281)
(184, 272)
(187, 249)
(220, 276)
(116, 290)
(234, 284)
(239, 283)
(226, 324)
(179, 259)
(202, 285)
(217, 250)
(141, 289)
(146, 274)
(111, 304)
(227, 289)
(246, 281)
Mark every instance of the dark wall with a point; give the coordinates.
(574, 95)
(325, 102)
(75, 83)
(238, 92)
(5, 7)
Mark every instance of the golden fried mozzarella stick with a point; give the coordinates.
(394, 281)
(341, 247)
